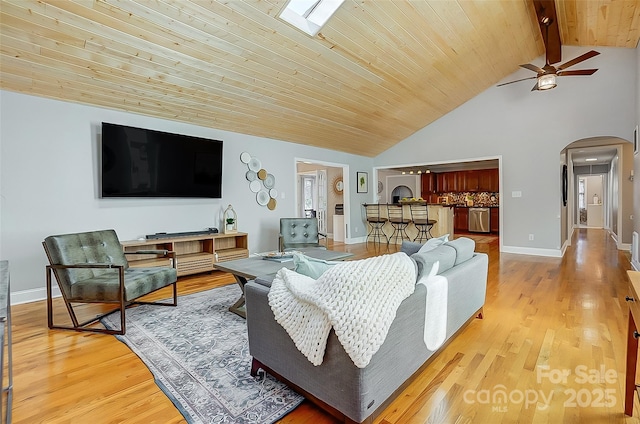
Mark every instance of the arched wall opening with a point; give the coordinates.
(611, 158)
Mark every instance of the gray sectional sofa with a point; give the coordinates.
(359, 394)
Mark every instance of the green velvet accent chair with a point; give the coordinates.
(299, 233)
(91, 267)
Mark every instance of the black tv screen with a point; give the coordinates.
(138, 162)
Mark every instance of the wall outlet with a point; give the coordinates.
(530, 237)
(516, 194)
(355, 229)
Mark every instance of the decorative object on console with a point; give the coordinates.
(230, 220)
(362, 179)
(261, 182)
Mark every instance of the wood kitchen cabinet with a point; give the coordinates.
(471, 180)
(446, 182)
(461, 220)
(488, 180)
(483, 180)
(429, 187)
(441, 184)
(495, 220)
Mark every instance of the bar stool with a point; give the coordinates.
(420, 218)
(398, 222)
(372, 215)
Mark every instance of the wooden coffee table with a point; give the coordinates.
(248, 269)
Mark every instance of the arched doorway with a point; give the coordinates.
(597, 185)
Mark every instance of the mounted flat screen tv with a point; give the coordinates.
(138, 162)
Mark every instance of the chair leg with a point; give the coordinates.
(82, 326)
(72, 313)
(376, 232)
(399, 232)
(423, 232)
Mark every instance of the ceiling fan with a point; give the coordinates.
(546, 76)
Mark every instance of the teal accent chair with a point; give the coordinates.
(91, 267)
(299, 233)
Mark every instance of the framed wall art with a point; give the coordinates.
(362, 182)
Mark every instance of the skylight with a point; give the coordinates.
(309, 15)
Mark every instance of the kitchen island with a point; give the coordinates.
(442, 213)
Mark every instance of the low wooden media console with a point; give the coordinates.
(196, 253)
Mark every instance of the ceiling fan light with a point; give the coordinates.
(546, 82)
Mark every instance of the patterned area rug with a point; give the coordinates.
(199, 355)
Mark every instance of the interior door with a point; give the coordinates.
(322, 201)
(308, 194)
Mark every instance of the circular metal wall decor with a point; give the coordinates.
(338, 185)
(254, 164)
(263, 198)
(245, 157)
(255, 186)
(260, 181)
(270, 181)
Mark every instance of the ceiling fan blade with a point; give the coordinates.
(533, 68)
(577, 72)
(548, 21)
(511, 82)
(587, 55)
(535, 87)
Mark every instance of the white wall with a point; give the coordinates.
(530, 130)
(595, 186)
(49, 184)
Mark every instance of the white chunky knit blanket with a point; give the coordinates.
(358, 298)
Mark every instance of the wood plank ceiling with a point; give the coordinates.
(377, 72)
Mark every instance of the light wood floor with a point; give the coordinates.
(566, 314)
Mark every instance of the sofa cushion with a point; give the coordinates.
(464, 247)
(311, 267)
(410, 247)
(444, 254)
(434, 242)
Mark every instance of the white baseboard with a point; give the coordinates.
(33, 295)
(554, 253)
(625, 246)
(635, 265)
(563, 250)
(354, 240)
(614, 236)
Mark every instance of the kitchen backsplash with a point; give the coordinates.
(479, 199)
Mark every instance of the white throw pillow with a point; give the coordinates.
(432, 243)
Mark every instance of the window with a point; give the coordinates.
(309, 192)
(582, 204)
